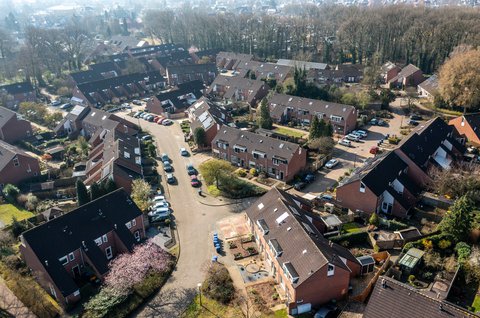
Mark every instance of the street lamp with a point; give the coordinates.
(199, 288)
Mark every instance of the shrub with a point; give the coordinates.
(254, 172)
(411, 279)
(17, 227)
(427, 244)
(374, 219)
(213, 190)
(219, 285)
(31, 202)
(395, 225)
(427, 275)
(394, 140)
(444, 244)
(351, 238)
(242, 173)
(150, 283)
(463, 251)
(10, 192)
(103, 302)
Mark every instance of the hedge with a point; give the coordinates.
(351, 238)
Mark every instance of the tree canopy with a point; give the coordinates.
(82, 193)
(459, 79)
(458, 221)
(200, 137)
(141, 194)
(215, 171)
(264, 120)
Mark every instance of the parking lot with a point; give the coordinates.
(354, 156)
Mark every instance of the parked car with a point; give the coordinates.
(160, 204)
(56, 102)
(184, 152)
(327, 311)
(136, 102)
(382, 122)
(146, 138)
(345, 142)
(309, 178)
(165, 157)
(412, 122)
(167, 122)
(325, 197)
(191, 169)
(150, 118)
(167, 166)
(331, 163)
(158, 198)
(160, 210)
(374, 121)
(374, 150)
(299, 186)
(361, 133)
(170, 178)
(158, 217)
(144, 115)
(416, 117)
(136, 115)
(352, 137)
(66, 106)
(194, 182)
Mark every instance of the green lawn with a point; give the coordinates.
(289, 132)
(351, 228)
(476, 303)
(7, 211)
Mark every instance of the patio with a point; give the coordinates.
(233, 227)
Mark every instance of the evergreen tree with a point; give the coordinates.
(459, 219)
(95, 191)
(315, 129)
(328, 130)
(82, 193)
(200, 137)
(263, 116)
(109, 185)
(322, 128)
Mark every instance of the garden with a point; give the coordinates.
(242, 247)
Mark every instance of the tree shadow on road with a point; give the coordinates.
(168, 303)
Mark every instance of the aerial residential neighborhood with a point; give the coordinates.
(239, 159)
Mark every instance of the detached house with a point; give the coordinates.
(428, 88)
(410, 75)
(176, 101)
(468, 126)
(388, 71)
(118, 157)
(390, 183)
(179, 74)
(230, 60)
(13, 127)
(310, 269)
(16, 165)
(209, 116)
(285, 108)
(236, 88)
(280, 159)
(69, 249)
(17, 93)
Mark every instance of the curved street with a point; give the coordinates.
(195, 223)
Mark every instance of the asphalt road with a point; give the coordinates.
(195, 223)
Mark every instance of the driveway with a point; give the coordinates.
(195, 223)
(355, 156)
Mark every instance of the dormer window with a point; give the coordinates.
(330, 270)
(290, 272)
(275, 247)
(262, 225)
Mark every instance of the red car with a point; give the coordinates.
(157, 119)
(194, 181)
(161, 120)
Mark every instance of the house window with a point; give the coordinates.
(63, 260)
(15, 162)
(330, 270)
(104, 238)
(71, 257)
(137, 235)
(98, 241)
(362, 187)
(108, 252)
(335, 119)
(129, 225)
(52, 291)
(134, 222)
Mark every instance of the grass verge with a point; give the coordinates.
(8, 211)
(289, 132)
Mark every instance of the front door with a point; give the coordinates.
(76, 271)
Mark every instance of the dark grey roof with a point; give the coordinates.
(65, 234)
(206, 114)
(234, 84)
(422, 143)
(175, 96)
(430, 84)
(5, 115)
(398, 300)
(278, 103)
(272, 147)
(378, 172)
(192, 68)
(104, 67)
(86, 76)
(303, 246)
(17, 88)
(8, 152)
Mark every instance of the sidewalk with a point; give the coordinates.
(11, 304)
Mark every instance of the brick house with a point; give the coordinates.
(410, 75)
(230, 60)
(209, 116)
(179, 74)
(390, 183)
(264, 70)
(174, 58)
(285, 108)
(17, 93)
(118, 157)
(393, 299)
(468, 126)
(342, 73)
(70, 248)
(310, 269)
(428, 88)
(176, 101)
(16, 165)
(382, 185)
(237, 88)
(280, 159)
(118, 89)
(388, 71)
(13, 127)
